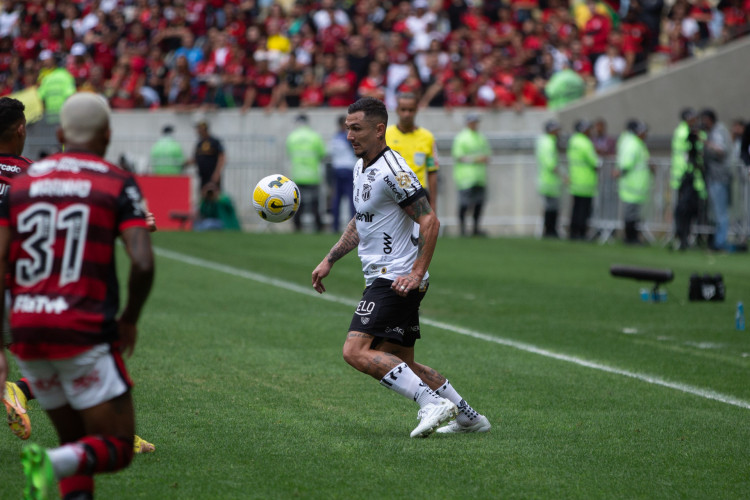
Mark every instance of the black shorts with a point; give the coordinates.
(384, 314)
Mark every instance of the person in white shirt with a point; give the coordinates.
(609, 69)
(395, 231)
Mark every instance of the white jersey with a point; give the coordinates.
(388, 237)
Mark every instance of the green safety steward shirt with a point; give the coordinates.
(546, 158)
(583, 164)
(680, 165)
(564, 87)
(468, 145)
(306, 151)
(632, 160)
(167, 157)
(54, 88)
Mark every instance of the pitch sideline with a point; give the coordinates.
(234, 271)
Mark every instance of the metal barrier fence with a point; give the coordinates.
(513, 205)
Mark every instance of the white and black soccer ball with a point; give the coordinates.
(276, 198)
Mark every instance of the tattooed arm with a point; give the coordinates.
(421, 212)
(348, 242)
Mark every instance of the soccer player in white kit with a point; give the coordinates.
(395, 231)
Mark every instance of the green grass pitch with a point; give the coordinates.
(591, 392)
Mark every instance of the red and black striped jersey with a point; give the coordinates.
(65, 213)
(10, 166)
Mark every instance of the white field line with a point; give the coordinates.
(650, 379)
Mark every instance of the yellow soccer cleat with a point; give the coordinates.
(16, 406)
(142, 446)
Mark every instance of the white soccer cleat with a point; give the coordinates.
(480, 425)
(432, 415)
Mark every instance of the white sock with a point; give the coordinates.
(405, 382)
(65, 459)
(466, 414)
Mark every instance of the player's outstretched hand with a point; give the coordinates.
(128, 333)
(150, 222)
(319, 273)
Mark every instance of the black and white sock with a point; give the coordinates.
(466, 414)
(405, 382)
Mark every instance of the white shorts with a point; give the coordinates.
(83, 381)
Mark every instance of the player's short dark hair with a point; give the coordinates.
(11, 113)
(374, 109)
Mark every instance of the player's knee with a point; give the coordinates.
(349, 355)
(352, 356)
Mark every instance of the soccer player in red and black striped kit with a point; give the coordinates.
(12, 142)
(58, 228)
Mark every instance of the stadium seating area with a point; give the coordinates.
(264, 54)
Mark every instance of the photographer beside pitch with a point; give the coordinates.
(395, 231)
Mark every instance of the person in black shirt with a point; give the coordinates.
(209, 157)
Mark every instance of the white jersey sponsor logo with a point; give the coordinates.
(386, 233)
(60, 187)
(40, 304)
(66, 164)
(10, 168)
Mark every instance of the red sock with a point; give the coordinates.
(77, 487)
(105, 454)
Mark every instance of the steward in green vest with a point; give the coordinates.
(55, 86)
(681, 147)
(471, 152)
(306, 151)
(634, 174)
(549, 179)
(687, 174)
(166, 154)
(583, 165)
(564, 87)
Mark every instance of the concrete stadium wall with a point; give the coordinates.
(255, 147)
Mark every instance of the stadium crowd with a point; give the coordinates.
(309, 53)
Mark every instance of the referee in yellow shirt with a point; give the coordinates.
(415, 144)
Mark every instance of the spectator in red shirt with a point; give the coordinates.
(455, 93)
(341, 84)
(412, 84)
(104, 53)
(736, 18)
(263, 82)
(312, 91)
(373, 85)
(52, 39)
(580, 63)
(504, 27)
(595, 33)
(26, 44)
(79, 63)
(635, 38)
(124, 88)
